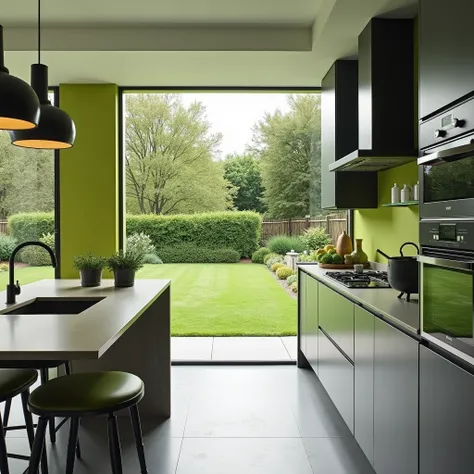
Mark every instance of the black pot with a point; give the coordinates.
(124, 277)
(403, 272)
(90, 277)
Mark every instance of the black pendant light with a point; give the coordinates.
(56, 130)
(19, 105)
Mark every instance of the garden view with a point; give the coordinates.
(196, 206)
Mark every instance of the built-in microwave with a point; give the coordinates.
(447, 164)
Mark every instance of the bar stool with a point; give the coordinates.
(15, 382)
(88, 394)
(43, 366)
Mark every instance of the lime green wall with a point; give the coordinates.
(89, 218)
(388, 227)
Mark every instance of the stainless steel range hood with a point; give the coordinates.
(387, 90)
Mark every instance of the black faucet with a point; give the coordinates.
(12, 289)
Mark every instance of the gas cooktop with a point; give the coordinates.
(367, 279)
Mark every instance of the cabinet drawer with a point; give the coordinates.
(336, 317)
(336, 374)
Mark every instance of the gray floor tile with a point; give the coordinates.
(249, 348)
(291, 345)
(238, 456)
(336, 456)
(191, 348)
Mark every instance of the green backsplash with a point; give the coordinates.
(388, 227)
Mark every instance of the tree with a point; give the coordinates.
(169, 150)
(26, 179)
(289, 148)
(243, 172)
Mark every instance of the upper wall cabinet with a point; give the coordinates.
(446, 58)
(340, 136)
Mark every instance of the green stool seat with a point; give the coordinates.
(15, 381)
(87, 394)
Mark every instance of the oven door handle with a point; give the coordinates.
(443, 154)
(446, 263)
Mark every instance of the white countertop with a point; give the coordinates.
(383, 301)
(87, 335)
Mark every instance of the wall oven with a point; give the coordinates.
(447, 285)
(447, 164)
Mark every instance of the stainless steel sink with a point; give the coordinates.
(54, 306)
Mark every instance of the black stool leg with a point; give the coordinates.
(137, 431)
(39, 453)
(114, 444)
(3, 451)
(6, 413)
(28, 418)
(44, 374)
(72, 444)
(67, 370)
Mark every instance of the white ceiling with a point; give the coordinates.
(229, 43)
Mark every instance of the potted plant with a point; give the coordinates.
(90, 267)
(124, 265)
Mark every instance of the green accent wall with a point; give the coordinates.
(388, 227)
(88, 174)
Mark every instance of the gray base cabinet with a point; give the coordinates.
(312, 322)
(395, 401)
(364, 342)
(336, 374)
(446, 416)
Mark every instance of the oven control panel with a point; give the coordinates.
(456, 235)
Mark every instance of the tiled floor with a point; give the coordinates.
(233, 348)
(227, 420)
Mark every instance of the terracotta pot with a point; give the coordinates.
(344, 244)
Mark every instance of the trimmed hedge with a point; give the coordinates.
(259, 255)
(31, 226)
(188, 253)
(239, 231)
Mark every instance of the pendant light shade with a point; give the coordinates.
(19, 105)
(56, 130)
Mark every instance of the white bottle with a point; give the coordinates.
(416, 190)
(406, 193)
(395, 194)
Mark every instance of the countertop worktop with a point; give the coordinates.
(87, 335)
(383, 301)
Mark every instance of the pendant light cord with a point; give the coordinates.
(39, 31)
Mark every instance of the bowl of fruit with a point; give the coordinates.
(327, 257)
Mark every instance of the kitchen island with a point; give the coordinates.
(121, 329)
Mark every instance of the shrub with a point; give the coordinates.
(307, 258)
(89, 262)
(31, 226)
(315, 238)
(239, 231)
(140, 243)
(284, 272)
(294, 287)
(7, 244)
(152, 259)
(37, 256)
(292, 279)
(187, 253)
(282, 244)
(276, 266)
(3, 267)
(274, 260)
(259, 255)
(269, 256)
(122, 260)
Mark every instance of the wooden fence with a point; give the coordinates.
(3, 227)
(333, 224)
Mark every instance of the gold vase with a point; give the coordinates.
(358, 255)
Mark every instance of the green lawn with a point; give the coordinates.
(214, 299)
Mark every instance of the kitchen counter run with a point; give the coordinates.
(383, 302)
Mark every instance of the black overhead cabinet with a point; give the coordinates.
(340, 136)
(446, 46)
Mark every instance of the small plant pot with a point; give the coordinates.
(124, 277)
(90, 277)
